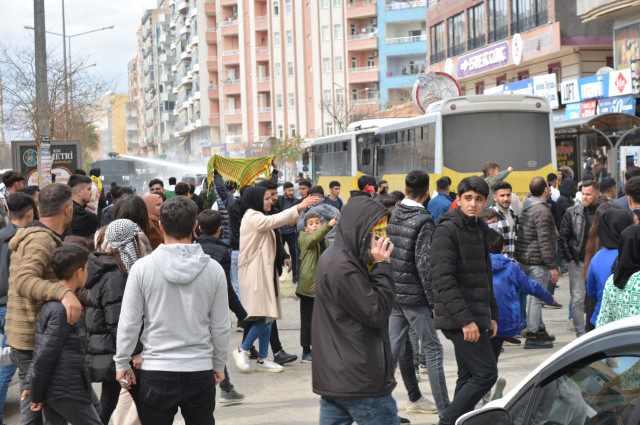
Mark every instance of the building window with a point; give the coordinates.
(527, 14)
(498, 28)
(438, 53)
(278, 70)
(555, 68)
(455, 25)
(523, 75)
(324, 4)
(326, 64)
(501, 80)
(328, 128)
(326, 36)
(292, 129)
(480, 87)
(281, 131)
(339, 96)
(287, 7)
(278, 101)
(289, 37)
(476, 26)
(609, 61)
(276, 7)
(292, 100)
(338, 62)
(354, 62)
(276, 38)
(290, 69)
(337, 3)
(327, 97)
(337, 31)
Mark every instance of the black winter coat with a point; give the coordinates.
(572, 233)
(350, 327)
(461, 271)
(58, 369)
(225, 233)
(5, 255)
(105, 282)
(410, 229)
(219, 251)
(536, 241)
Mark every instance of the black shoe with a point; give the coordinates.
(512, 341)
(534, 341)
(404, 420)
(542, 333)
(554, 305)
(253, 353)
(282, 357)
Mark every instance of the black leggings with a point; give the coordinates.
(111, 394)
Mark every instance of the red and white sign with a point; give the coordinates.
(588, 109)
(620, 83)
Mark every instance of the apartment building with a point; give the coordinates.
(489, 43)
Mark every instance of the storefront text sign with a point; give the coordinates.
(484, 60)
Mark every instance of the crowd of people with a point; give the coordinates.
(88, 275)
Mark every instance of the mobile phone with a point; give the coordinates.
(388, 243)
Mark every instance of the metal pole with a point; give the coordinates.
(42, 95)
(66, 76)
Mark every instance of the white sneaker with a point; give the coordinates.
(241, 358)
(268, 366)
(422, 406)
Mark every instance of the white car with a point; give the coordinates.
(594, 380)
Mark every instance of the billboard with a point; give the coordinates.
(626, 45)
(66, 157)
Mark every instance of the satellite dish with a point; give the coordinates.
(604, 70)
(432, 87)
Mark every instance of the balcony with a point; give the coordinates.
(165, 58)
(210, 7)
(364, 41)
(361, 9)
(264, 114)
(363, 74)
(228, 2)
(194, 40)
(194, 11)
(212, 63)
(166, 96)
(167, 77)
(262, 53)
(261, 23)
(230, 27)
(183, 6)
(233, 116)
(164, 38)
(408, 39)
(213, 93)
(264, 84)
(185, 56)
(231, 86)
(212, 35)
(399, 5)
(230, 57)
(214, 120)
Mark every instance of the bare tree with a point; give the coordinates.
(344, 113)
(21, 114)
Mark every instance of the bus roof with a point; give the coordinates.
(372, 123)
(491, 102)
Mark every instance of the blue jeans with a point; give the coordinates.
(234, 272)
(6, 371)
(363, 411)
(261, 330)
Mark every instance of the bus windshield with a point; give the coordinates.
(517, 139)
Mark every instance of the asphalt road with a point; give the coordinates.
(287, 398)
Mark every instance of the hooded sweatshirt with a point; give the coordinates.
(181, 295)
(326, 212)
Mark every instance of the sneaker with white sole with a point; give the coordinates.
(241, 360)
(306, 358)
(230, 397)
(268, 366)
(422, 405)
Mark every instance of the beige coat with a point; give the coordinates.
(256, 271)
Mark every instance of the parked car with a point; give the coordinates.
(594, 380)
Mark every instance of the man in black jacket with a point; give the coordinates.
(352, 361)
(289, 233)
(574, 234)
(210, 223)
(465, 308)
(410, 229)
(535, 251)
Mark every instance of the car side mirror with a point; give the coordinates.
(493, 416)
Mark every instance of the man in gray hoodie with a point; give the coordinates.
(180, 294)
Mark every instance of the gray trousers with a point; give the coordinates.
(578, 292)
(541, 275)
(419, 318)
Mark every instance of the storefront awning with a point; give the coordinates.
(607, 123)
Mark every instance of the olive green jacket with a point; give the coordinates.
(310, 251)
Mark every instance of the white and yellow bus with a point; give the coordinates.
(454, 138)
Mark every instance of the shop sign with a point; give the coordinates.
(484, 60)
(616, 83)
(594, 87)
(620, 105)
(620, 83)
(543, 86)
(572, 111)
(569, 92)
(588, 109)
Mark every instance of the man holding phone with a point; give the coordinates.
(465, 307)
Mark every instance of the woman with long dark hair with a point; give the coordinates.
(620, 297)
(257, 272)
(154, 202)
(130, 208)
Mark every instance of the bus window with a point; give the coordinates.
(516, 139)
(410, 154)
(411, 134)
(330, 160)
(390, 138)
(365, 156)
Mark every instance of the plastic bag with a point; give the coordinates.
(287, 289)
